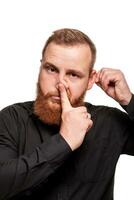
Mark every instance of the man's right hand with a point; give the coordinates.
(74, 121)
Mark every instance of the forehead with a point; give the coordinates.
(77, 55)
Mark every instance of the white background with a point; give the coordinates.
(25, 26)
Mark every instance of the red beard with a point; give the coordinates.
(50, 111)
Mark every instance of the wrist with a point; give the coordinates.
(126, 101)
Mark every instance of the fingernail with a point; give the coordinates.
(61, 87)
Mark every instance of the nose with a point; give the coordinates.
(62, 79)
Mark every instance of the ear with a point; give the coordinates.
(92, 79)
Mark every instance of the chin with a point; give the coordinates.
(54, 105)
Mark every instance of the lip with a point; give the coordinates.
(56, 97)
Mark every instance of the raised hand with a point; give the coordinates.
(113, 82)
(75, 121)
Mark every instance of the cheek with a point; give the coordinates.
(77, 90)
(47, 84)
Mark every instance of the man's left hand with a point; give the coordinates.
(113, 82)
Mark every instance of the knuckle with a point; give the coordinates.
(83, 108)
(90, 122)
(89, 115)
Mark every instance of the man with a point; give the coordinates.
(59, 147)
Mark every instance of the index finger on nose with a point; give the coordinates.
(66, 105)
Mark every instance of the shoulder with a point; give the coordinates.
(109, 121)
(17, 109)
(13, 118)
(106, 113)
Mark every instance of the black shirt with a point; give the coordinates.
(37, 163)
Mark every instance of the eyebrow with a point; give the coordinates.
(68, 71)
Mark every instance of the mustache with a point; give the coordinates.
(51, 93)
(56, 93)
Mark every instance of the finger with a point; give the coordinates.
(102, 72)
(89, 116)
(66, 105)
(81, 109)
(90, 125)
(98, 81)
(97, 77)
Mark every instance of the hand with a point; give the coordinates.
(113, 82)
(75, 121)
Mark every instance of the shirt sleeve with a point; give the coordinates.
(129, 144)
(130, 108)
(19, 173)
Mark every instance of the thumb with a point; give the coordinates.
(65, 103)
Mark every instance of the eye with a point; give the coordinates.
(49, 68)
(73, 75)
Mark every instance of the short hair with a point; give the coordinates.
(71, 37)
